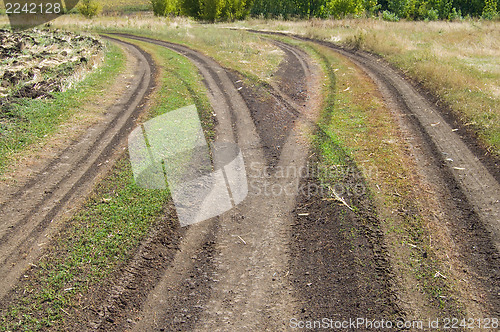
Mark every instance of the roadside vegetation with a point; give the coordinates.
(111, 223)
(239, 50)
(229, 10)
(456, 61)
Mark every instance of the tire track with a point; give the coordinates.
(468, 192)
(476, 182)
(248, 286)
(29, 215)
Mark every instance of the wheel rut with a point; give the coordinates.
(467, 189)
(246, 284)
(29, 215)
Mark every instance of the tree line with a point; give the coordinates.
(228, 10)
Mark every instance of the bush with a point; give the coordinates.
(342, 8)
(88, 8)
(431, 15)
(164, 7)
(388, 16)
(490, 10)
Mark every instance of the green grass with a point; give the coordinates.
(112, 222)
(29, 121)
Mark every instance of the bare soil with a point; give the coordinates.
(251, 268)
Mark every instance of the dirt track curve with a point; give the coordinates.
(475, 180)
(246, 269)
(275, 256)
(245, 284)
(27, 213)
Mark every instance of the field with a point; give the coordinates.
(124, 5)
(387, 133)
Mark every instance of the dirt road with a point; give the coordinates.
(28, 211)
(281, 254)
(237, 271)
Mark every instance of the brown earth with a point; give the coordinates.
(259, 265)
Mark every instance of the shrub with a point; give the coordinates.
(164, 7)
(342, 8)
(431, 15)
(88, 8)
(490, 10)
(388, 16)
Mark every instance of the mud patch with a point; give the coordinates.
(271, 117)
(271, 114)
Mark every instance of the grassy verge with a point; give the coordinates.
(247, 53)
(112, 222)
(32, 120)
(360, 133)
(457, 61)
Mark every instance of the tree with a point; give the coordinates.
(490, 10)
(88, 8)
(164, 7)
(341, 8)
(190, 8)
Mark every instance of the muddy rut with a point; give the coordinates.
(232, 271)
(253, 267)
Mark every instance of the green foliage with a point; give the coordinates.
(89, 8)
(490, 10)
(165, 7)
(391, 10)
(342, 8)
(208, 10)
(388, 16)
(190, 7)
(371, 7)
